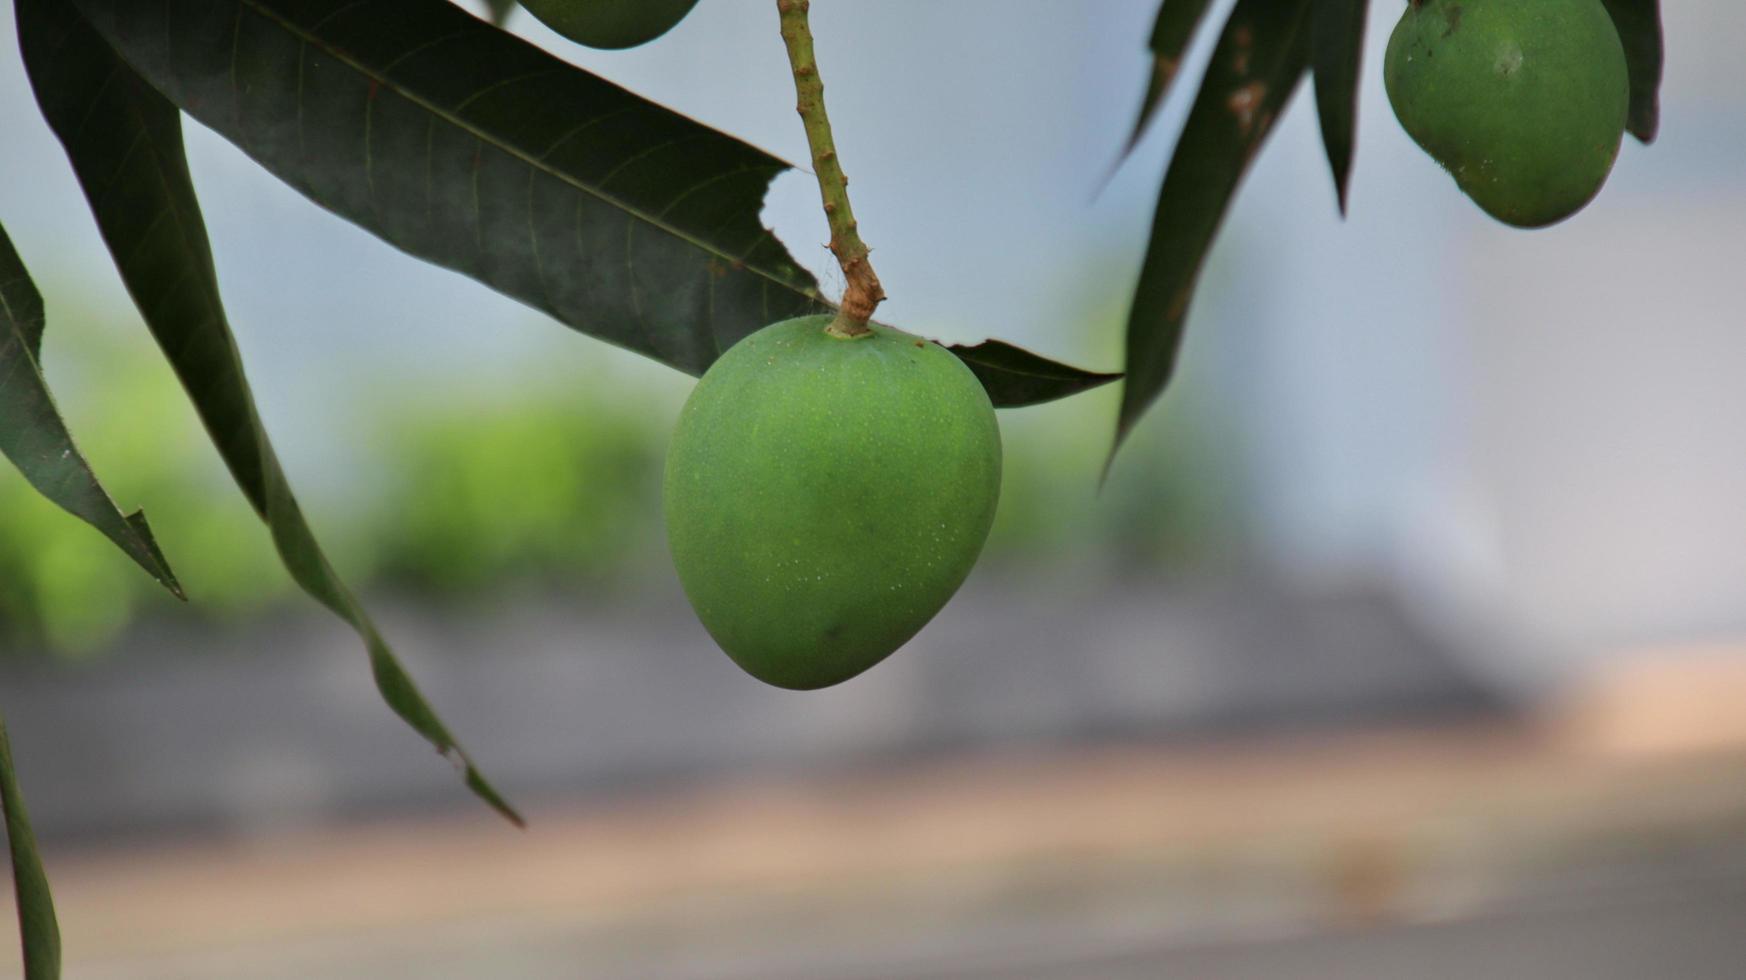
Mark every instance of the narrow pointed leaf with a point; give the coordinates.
(1027, 378)
(1639, 26)
(1171, 32)
(21, 312)
(472, 149)
(37, 929)
(1338, 57)
(125, 143)
(35, 438)
(1256, 65)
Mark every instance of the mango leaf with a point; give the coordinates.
(125, 143)
(34, 437)
(1639, 26)
(1171, 32)
(1256, 65)
(38, 931)
(21, 312)
(1339, 54)
(472, 149)
(1011, 366)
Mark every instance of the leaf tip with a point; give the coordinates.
(159, 567)
(484, 790)
(1124, 426)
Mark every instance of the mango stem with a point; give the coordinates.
(862, 292)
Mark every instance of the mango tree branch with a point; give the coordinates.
(861, 292)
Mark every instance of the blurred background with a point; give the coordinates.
(1407, 638)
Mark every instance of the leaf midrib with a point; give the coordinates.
(313, 41)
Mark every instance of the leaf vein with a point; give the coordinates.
(484, 137)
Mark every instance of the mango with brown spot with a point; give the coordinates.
(1523, 101)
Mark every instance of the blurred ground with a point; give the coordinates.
(1460, 851)
(1208, 779)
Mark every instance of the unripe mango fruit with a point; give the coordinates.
(1522, 101)
(825, 496)
(610, 23)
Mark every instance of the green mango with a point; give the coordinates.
(1522, 101)
(610, 23)
(825, 496)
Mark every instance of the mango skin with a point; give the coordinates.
(610, 24)
(825, 497)
(1524, 102)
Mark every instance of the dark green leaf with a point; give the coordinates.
(1026, 378)
(1014, 382)
(125, 142)
(470, 148)
(1339, 53)
(1256, 65)
(37, 929)
(474, 150)
(1639, 24)
(21, 312)
(1171, 32)
(35, 438)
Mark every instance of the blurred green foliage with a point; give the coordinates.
(550, 482)
(60, 584)
(552, 486)
(1165, 505)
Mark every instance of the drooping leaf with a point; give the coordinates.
(1027, 378)
(1339, 54)
(21, 312)
(1171, 32)
(1256, 65)
(35, 438)
(1639, 26)
(472, 149)
(125, 143)
(38, 931)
